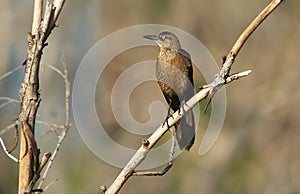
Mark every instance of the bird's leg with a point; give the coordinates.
(170, 162)
(168, 116)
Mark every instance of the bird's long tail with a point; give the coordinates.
(185, 130)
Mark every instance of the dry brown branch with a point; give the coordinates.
(43, 163)
(29, 92)
(207, 91)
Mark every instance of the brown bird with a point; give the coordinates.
(174, 72)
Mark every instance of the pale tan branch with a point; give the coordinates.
(250, 29)
(58, 4)
(222, 78)
(237, 76)
(37, 16)
(141, 153)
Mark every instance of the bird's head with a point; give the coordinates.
(165, 40)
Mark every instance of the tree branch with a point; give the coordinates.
(249, 30)
(209, 90)
(29, 93)
(37, 16)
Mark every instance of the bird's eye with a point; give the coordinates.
(162, 37)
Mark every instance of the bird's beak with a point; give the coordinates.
(151, 37)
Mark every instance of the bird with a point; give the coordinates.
(174, 73)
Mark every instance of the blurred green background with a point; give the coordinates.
(257, 151)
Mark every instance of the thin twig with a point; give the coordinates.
(9, 101)
(43, 163)
(49, 185)
(62, 136)
(7, 152)
(7, 128)
(53, 127)
(10, 72)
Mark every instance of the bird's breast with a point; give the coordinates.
(171, 73)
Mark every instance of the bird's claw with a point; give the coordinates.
(166, 121)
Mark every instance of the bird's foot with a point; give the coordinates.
(167, 118)
(166, 121)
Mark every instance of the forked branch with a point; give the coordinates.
(222, 78)
(29, 165)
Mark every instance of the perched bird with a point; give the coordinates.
(174, 72)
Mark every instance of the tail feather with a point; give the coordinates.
(185, 131)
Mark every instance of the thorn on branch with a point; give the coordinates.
(102, 189)
(145, 143)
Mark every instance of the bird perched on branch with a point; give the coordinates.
(174, 72)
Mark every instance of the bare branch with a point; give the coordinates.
(7, 128)
(8, 101)
(49, 185)
(43, 163)
(11, 100)
(46, 27)
(252, 27)
(29, 93)
(10, 72)
(237, 76)
(62, 136)
(141, 153)
(170, 163)
(58, 4)
(37, 16)
(209, 90)
(7, 152)
(53, 127)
